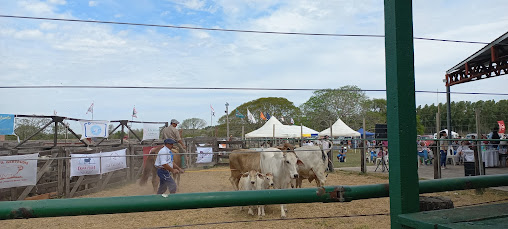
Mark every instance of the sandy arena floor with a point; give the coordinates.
(217, 180)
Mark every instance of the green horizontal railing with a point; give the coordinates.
(109, 205)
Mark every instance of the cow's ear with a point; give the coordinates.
(299, 162)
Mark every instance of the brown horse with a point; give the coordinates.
(150, 169)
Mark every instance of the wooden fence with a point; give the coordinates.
(53, 166)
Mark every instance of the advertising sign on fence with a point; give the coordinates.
(205, 154)
(19, 170)
(6, 124)
(150, 131)
(111, 161)
(85, 164)
(94, 129)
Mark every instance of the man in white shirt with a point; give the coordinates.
(164, 164)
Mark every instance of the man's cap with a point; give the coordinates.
(175, 121)
(169, 141)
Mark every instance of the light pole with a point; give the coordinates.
(227, 120)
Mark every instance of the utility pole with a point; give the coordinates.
(227, 120)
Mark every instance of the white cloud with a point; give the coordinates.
(67, 53)
(58, 2)
(48, 26)
(93, 3)
(38, 8)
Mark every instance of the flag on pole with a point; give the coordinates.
(238, 114)
(267, 116)
(251, 117)
(134, 112)
(213, 111)
(502, 127)
(262, 116)
(90, 109)
(292, 121)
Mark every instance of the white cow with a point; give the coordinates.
(283, 167)
(314, 165)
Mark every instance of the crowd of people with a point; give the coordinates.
(458, 149)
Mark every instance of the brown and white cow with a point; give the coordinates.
(240, 162)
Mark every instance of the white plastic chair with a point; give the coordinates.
(450, 155)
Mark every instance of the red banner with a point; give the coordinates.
(146, 151)
(501, 126)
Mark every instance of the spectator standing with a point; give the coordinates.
(443, 149)
(495, 135)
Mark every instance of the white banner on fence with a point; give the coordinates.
(85, 164)
(94, 129)
(112, 161)
(150, 131)
(205, 154)
(19, 170)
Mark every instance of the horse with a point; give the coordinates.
(149, 168)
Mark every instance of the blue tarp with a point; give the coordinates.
(366, 132)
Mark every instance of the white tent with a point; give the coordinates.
(281, 130)
(297, 131)
(340, 129)
(266, 131)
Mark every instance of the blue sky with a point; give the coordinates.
(36, 52)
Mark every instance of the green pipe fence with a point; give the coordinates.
(110, 205)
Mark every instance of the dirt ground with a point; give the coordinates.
(341, 215)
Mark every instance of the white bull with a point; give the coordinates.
(283, 167)
(313, 167)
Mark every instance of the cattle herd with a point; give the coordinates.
(279, 168)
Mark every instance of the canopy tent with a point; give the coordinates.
(297, 131)
(274, 128)
(340, 129)
(368, 134)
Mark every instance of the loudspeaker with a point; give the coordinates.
(381, 131)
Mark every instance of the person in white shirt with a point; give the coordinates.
(164, 164)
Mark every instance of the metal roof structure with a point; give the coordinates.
(488, 62)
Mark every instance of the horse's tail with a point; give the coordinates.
(148, 165)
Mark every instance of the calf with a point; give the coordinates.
(251, 181)
(265, 181)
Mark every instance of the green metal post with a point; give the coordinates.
(400, 93)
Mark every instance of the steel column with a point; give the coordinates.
(401, 120)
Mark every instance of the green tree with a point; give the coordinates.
(374, 111)
(192, 126)
(25, 127)
(330, 104)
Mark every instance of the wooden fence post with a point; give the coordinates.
(61, 173)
